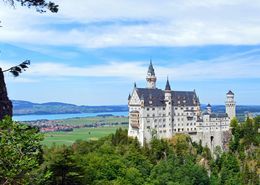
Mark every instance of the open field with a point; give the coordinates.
(68, 138)
(93, 120)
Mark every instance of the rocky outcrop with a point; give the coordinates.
(6, 107)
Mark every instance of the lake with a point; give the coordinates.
(64, 116)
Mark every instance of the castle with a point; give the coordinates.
(161, 113)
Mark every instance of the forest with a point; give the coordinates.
(118, 159)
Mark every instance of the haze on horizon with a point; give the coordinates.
(91, 53)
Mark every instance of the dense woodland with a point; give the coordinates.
(117, 159)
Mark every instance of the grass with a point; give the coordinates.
(91, 120)
(69, 138)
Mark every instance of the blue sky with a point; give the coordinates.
(91, 53)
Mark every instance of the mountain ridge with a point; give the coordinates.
(22, 107)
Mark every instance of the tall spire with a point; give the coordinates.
(167, 86)
(151, 69)
(151, 78)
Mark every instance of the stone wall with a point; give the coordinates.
(6, 107)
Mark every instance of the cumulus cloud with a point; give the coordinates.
(104, 23)
(237, 66)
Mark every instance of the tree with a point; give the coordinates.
(6, 107)
(40, 5)
(20, 152)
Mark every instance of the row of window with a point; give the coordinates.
(153, 108)
(153, 115)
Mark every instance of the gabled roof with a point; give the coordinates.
(155, 97)
(151, 97)
(185, 98)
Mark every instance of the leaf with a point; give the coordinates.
(15, 73)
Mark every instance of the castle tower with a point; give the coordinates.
(230, 105)
(151, 78)
(168, 108)
(209, 111)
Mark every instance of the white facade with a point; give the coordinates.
(162, 113)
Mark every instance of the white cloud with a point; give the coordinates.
(237, 66)
(169, 23)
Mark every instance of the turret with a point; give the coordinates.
(151, 78)
(168, 108)
(167, 91)
(209, 111)
(230, 105)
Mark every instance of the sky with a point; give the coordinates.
(92, 52)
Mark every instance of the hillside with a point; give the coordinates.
(26, 107)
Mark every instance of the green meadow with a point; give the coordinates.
(69, 138)
(85, 133)
(92, 120)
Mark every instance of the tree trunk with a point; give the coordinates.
(6, 107)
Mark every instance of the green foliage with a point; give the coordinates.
(20, 152)
(40, 5)
(119, 160)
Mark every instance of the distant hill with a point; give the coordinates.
(26, 107)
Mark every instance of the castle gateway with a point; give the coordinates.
(161, 113)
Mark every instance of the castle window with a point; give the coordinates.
(148, 115)
(153, 108)
(148, 127)
(153, 115)
(163, 108)
(163, 125)
(155, 120)
(175, 130)
(147, 109)
(164, 131)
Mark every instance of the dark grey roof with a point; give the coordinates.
(218, 115)
(151, 97)
(230, 92)
(167, 86)
(185, 98)
(129, 97)
(151, 69)
(155, 97)
(208, 105)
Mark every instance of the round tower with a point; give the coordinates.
(209, 111)
(151, 78)
(230, 105)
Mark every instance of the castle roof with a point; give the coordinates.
(218, 115)
(151, 69)
(230, 93)
(155, 97)
(167, 86)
